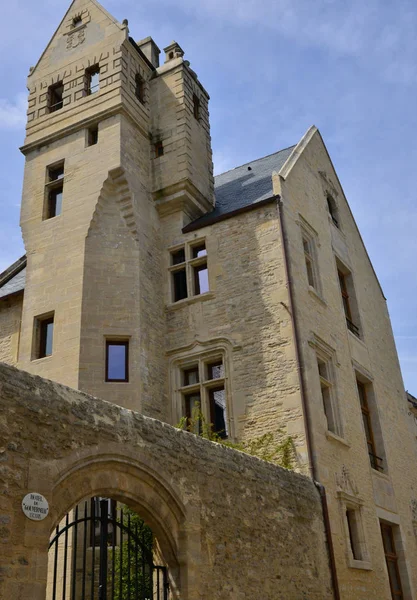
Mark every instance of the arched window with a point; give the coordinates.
(332, 208)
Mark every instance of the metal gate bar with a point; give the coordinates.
(130, 572)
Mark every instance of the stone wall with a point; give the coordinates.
(10, 316)
(228, 525)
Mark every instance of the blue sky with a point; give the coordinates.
(272, 68)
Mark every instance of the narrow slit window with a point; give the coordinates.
(92, 135)
(196, 107)
(159, 149)
(55, 97)
(140, 88)
(391, 558)
(349, 301)
(332, 208)
(92, 80)
(54, 191)
(352, 518)
(328, 394)
(117, 361)
(375, 460)
(46, 337)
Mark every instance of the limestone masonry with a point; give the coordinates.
(248, 298)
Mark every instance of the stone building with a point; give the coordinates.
(151, 284)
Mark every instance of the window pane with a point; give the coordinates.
(94, 81)
(215, 370)
(328, 409)
(310, 274)
(57, 173)
(191, 376)
(394, 576)
(199, 250)
(178, 257)
(218, 412)
(180, 285)
(201, 284)
(49, 338)
(116, 362)
(353, 533)
(192, 412)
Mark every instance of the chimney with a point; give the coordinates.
(173, 51)
(150, 50)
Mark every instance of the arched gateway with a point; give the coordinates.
(226, 525)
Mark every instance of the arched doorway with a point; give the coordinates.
(103, 550)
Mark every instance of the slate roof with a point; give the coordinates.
(235, 190)
(243, 186)
(12, 280)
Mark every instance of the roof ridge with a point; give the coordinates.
(13, 270)
(255, 160)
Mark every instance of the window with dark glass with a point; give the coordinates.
(352, 517)
(140, 88)
(92, 135)
(391, 557)
(54, 190)
(332, 208)
(327, 393)
(376, 461)
(196, 106)
(55, 96)
(199, 268)
(117, 361)
(189, 272)
(205, 398)
(159, 149)
(92, 80)
(349, 301)
(43, 336)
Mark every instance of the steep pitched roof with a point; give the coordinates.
(242, 187)
(12, 280)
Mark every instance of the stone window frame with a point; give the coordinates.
(39, 336)
(202, 357)
(310, 244)
(326, 354)
(354, 504)
(400, 541)
(110, 340)
(52, 186)
(191, 265)
(366, 379)
(349, 300)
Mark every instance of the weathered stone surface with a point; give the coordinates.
(229, 525)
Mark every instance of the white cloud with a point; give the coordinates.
(13, 113)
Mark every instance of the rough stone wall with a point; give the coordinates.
(343, 462)
(10, 319)
(246, 315)
(228, 525)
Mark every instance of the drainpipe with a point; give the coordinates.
(312, 464)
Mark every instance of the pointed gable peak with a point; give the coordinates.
(74, 24)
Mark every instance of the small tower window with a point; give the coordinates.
(55, 93)
(92, 76)
(92, 135)
(140, 88)
(196, 107)
(332, 208)
(77, 21)
(159, 149)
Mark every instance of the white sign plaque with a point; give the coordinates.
(35, 506)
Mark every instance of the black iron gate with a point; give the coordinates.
(104, 553)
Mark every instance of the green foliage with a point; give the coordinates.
(132, 559)
(266, 447)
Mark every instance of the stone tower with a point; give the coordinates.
(115, 144)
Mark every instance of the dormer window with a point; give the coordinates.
(77, 21)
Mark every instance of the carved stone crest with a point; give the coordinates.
(345, 482)
(75, 39)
